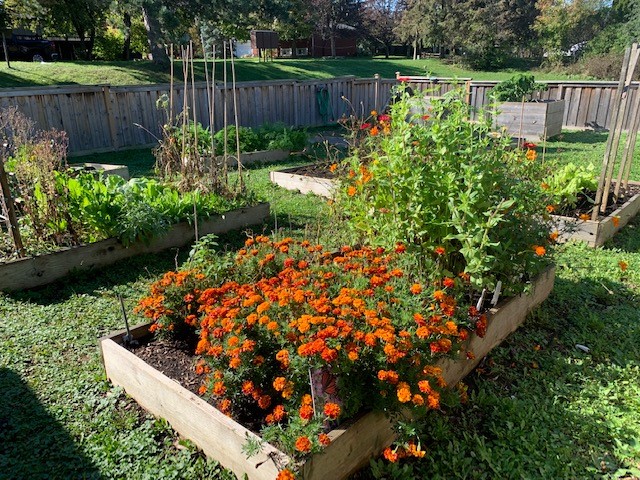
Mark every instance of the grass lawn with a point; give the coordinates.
(24, 74)
(539, 407)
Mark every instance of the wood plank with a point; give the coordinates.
(215, 433)
(583, 107)
(592, 113)
(575, 104)
(43, 269)
(304, 184)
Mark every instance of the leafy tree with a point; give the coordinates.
(379, 20)
(330, 15)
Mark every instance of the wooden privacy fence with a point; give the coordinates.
(105, 118)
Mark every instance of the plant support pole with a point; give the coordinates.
(629, 148)
(600, 193)
(13, 220)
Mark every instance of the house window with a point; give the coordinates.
(302, 52)
(286, 52)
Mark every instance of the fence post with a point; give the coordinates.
(106, 95)
(296, 104)
(376, 92)
(8, 200)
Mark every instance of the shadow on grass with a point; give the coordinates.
(32, 443)
(579, 136)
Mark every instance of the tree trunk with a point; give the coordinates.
(126, 49)
(154, 35)
(386, 51)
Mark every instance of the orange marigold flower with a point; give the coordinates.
(224, 406)
(416, 289)
(324, 439)
(439, 251)
(285, 475)
(307, 399)
(332, 410)
(333, 167)
(418, 400)
(374, 131)
(219, 389)
(584, 216)
(424, 386)
(532, 154)
(306, 412)
(448, 282)
(351, 191)
(279, 413)
(235, 362)
(551, 208)
(264, 401)
(283, 357)
(553, 236)
(539, 250)
(202, 390)
(390, 455)
(616, 221)
(544, 186)
(400, 248)
(303, 444)
(623, 265)
(279, 383)
(263, 307)
(247, 387)
(403, 392)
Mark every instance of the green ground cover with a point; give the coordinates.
(539, 407)
(25, 74)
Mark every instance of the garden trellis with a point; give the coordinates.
(623, 101)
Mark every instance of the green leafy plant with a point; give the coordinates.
(450, 190)
(567, 182)
(517, 88)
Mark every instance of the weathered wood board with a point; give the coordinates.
(43, 269)
(255, 158)
(596, 232)
(353, 443)
(531, 120)
(290, 180)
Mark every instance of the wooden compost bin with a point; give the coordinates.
(531, 120)
(353, 443)
(289, 179)
(43, 269)
(596, 232)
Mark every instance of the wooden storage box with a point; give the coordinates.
(353, 443)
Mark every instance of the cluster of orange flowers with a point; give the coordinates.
(356, 314)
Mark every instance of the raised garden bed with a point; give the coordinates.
(256, 158)
(106, 168)
(596, 232)
(353, 443)
(43, 269)
(305, 179)
(531, 120)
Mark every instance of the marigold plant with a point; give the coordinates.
(360, 320)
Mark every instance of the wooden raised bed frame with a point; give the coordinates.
(596, 232)
(43, 269)
(353, 443)
(531, 120)
(287, 178)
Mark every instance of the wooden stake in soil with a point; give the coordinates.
(629, 148)
(615, 125)
(13, 220)
(619, 109)
(236, 119)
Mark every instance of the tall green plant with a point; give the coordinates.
(448, 189)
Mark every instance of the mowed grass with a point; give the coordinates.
(25, 74)
(539, 407)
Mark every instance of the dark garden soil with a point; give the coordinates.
(173, 357)
(585, 202)
(318, 170)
